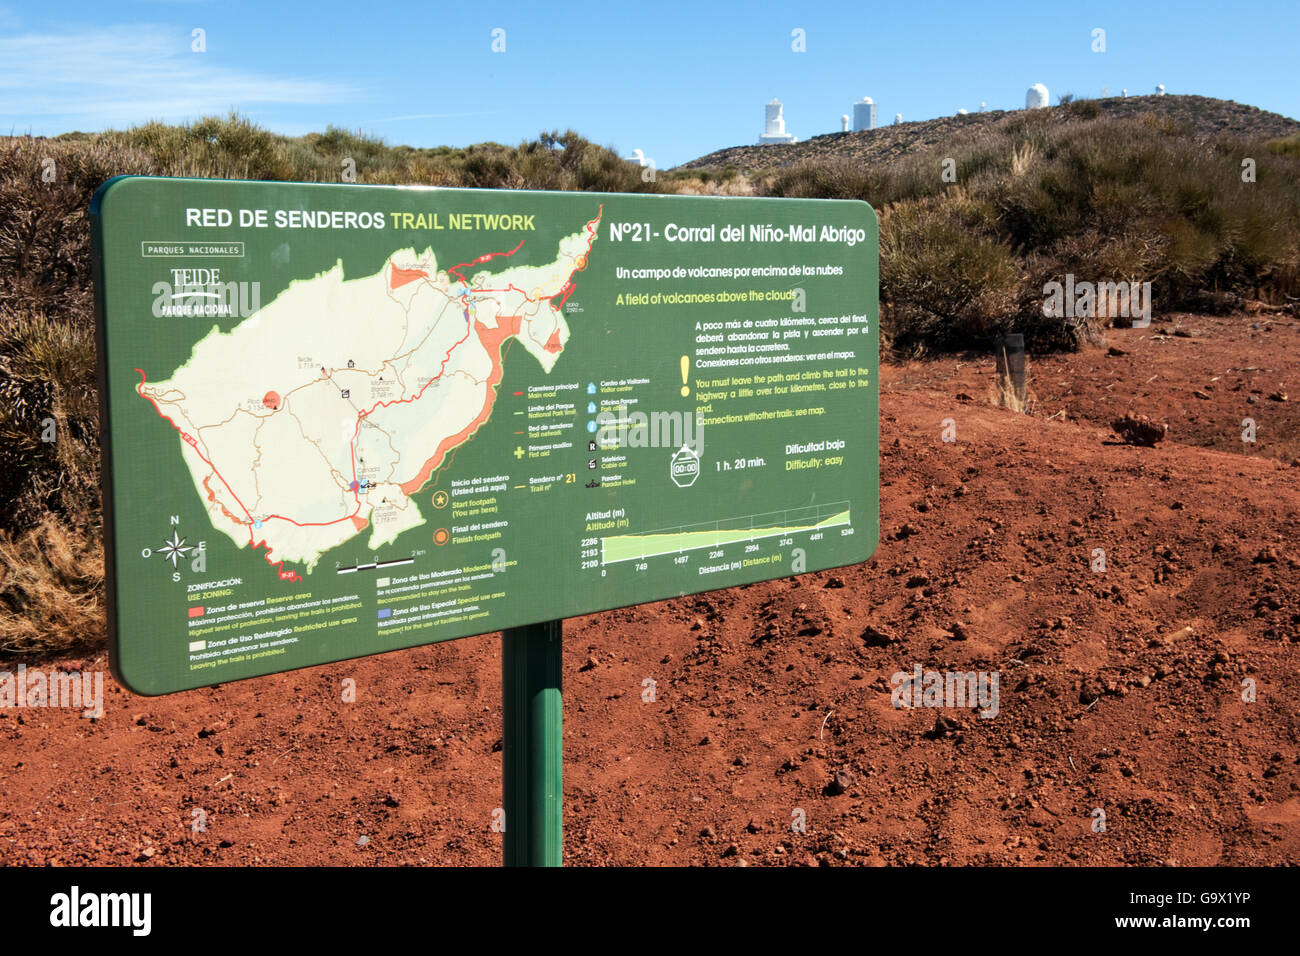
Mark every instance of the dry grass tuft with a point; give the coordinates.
(1021, 158)
(1003, 394)
(51, 591)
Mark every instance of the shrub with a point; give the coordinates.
(228, 147)
(45, 225)
(1287, 146)
(949, 281)
(49, 422)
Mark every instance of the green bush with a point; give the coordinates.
(1287, 146)
(228, 147)
(948, 281)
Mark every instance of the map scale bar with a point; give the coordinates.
(396, 562)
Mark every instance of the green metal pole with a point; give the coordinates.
(532, 744)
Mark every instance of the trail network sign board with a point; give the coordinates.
(344, 419)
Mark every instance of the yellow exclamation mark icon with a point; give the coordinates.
(686, 367)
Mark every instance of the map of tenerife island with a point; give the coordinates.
(319, 417)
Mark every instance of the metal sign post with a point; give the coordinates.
(532, 744)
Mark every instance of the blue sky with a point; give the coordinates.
(676, 80)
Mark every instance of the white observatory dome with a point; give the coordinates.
(774, 125)
(864, 114)
(844, 123)
(1036, 97)
(1160, 89)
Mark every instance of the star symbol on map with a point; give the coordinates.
(174, 548)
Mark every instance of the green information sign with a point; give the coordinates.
(342, 419)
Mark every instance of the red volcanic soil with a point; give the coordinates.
(1120, 690)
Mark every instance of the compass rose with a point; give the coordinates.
(174, 548)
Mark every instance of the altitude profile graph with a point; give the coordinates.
(726, 531)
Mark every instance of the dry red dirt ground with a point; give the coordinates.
(1120, 690)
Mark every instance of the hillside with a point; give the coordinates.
(1202, 117)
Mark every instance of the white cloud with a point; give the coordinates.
(97, 78)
